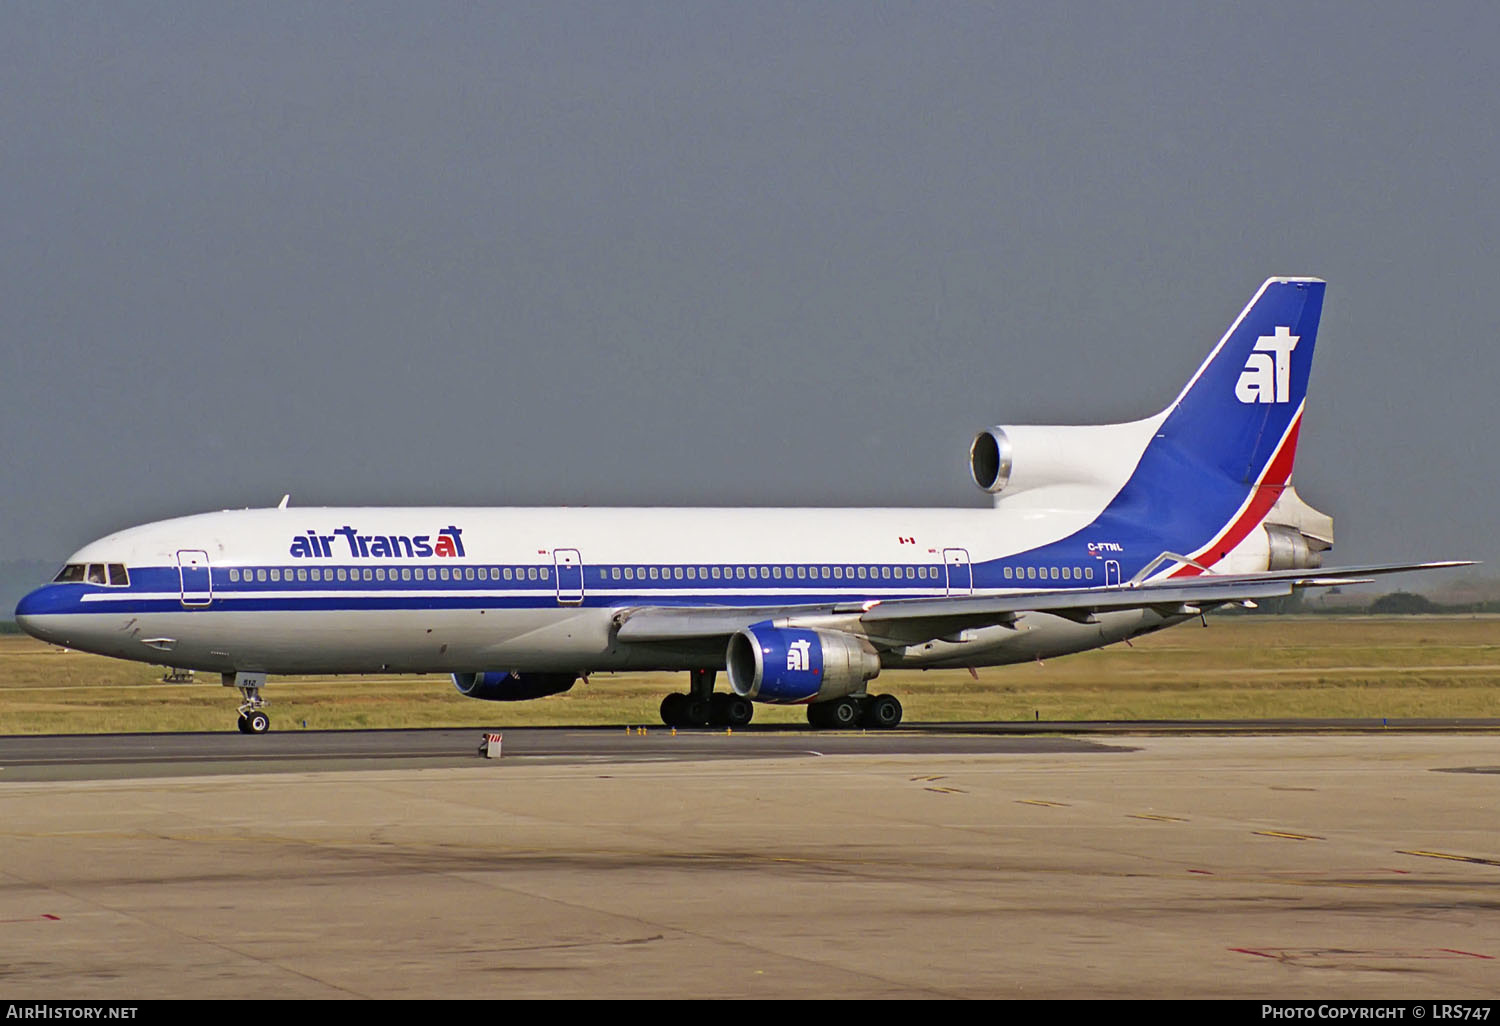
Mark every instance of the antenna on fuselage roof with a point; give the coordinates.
(284, 500)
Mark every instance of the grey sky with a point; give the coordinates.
(755, 253)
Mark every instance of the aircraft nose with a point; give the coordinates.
(35, 611)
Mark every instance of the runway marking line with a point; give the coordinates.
(945, 790)
(1451, 857)
(1337, 953)
(1287, 836)
(1159, 819)
(1038, 801)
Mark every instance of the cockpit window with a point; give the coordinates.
(112, 574)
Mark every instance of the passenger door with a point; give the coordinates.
(195, 576)
(960, 573)
(569, 576)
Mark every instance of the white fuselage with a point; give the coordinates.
(363, 590)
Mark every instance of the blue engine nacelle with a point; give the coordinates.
(515, 686)
(787, 664)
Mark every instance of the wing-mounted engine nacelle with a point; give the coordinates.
(504, 686)
(786, 664)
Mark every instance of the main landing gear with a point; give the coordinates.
(880, 712)
(703, 707)
(253, 718)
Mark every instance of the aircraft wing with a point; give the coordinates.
(906, 621)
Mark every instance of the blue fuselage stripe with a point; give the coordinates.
(160, 589)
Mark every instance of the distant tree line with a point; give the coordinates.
(1395, 603)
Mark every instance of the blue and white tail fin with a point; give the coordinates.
(1196, 479)
(1240, 411)
(1223, 453)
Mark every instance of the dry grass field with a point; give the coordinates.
(1237, 668)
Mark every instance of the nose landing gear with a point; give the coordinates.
(255, 722)
(253, 719)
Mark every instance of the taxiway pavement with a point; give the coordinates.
(913, 864)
